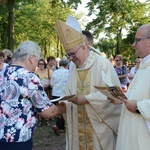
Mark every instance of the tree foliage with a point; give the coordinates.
(37, 22)
(7, 21)
(113, 17)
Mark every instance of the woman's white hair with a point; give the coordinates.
(7, 52)
(25, 49)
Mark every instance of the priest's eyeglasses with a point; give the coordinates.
(136, 40)
(73, 55)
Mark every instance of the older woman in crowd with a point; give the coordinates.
(2, 63)
(22, 97)
(135, 68)
(8, 56)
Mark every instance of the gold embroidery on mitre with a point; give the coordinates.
(68, 34)
(84, 125)
(69, 37)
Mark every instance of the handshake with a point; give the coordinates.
(61, 107)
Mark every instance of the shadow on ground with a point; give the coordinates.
(45, 139)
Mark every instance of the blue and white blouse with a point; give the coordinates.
(21, 97)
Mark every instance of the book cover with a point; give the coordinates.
(45, 81)
(63, 98)
(112, 92)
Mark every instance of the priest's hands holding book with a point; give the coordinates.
(79, 100)
(131, 105)
(115, 102)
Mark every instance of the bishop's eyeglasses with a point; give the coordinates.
(73, 55)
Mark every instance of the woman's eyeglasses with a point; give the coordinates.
(41, 64)
(117, 59)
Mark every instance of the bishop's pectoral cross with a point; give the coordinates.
(82, 83)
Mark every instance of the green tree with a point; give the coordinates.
(37, 22)
(107, 46)
(34, 21)
(7, 22)
(116, 16)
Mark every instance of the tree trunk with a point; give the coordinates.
(4, 43)
(11, 4)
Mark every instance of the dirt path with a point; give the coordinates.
(45, 139)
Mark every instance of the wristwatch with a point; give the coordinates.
(137, 111)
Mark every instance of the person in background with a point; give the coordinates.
(57, 62)
(43, 72)
(88, 38)
(58, 82)
(127, 66)
(45, 76)
(22, 97)
(2, 64)
(121, 71)
(91, 121)
(8, 56)
(112, 60)
(134, 69)
(51, 63)
(134, 127)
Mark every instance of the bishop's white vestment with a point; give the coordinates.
(92, 126)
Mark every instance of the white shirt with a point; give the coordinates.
(133, 71)
(4, 66)
(58, 81)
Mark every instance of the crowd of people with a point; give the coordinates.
(124, 72)
(91, 120)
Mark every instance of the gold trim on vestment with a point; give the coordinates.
(84, 125)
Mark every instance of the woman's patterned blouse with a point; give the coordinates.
(21, 97)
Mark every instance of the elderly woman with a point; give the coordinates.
(22, 97)
(2, 64)
(8, 56)
(135, 68)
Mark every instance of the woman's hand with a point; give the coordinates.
(62, 108)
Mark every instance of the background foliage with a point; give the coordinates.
(35, 20)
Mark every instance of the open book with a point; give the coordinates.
(112, 92)
(63, 98)
(45, 81)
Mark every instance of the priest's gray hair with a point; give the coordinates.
(25, 49)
